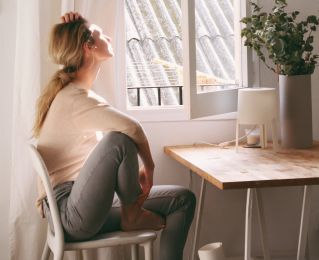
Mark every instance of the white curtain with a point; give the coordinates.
(32, 70)
(26, 228)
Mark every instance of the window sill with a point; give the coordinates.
(221, 117)
(173, 114)
(159, 114)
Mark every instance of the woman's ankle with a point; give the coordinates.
(134, 217)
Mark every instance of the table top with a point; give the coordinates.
(249, 167)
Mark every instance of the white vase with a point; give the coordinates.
(213, 251)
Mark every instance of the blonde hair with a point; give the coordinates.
(65, 48)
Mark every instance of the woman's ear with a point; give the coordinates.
(87, 48)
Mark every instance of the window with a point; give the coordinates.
(164, 38)
(154, 52)
(221, 61)
(215, 45)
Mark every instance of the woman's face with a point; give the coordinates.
(102, 47)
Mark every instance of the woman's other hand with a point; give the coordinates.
(69, 17)
(146, 179)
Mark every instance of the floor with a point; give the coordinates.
(261, 258)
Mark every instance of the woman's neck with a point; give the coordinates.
(86, 75)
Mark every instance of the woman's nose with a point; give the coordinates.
(109, 39)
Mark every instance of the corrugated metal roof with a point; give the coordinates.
(154, 47)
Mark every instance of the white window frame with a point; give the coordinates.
(181, 112)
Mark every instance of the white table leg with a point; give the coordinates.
(305, 214)
(198, 218)
(248, 223)
(262, 224)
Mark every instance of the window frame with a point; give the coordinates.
(185, 111)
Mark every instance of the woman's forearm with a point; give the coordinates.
(145, 154)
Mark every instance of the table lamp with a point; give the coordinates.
(258, 106)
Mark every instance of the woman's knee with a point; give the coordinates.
(189, 199)
(184, 198)
(184, 205)
(118, 139)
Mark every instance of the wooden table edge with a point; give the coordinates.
(234, 185)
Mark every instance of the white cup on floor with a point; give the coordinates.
(212, 251)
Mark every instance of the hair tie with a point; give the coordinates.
(64, 77)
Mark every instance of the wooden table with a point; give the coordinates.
(252, 169)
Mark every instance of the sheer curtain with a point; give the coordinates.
(26, 229)
(32, 71)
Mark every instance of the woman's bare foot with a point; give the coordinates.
(134, 217)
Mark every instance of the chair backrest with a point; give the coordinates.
(42, 171)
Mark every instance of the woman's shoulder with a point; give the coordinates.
(73, 90)
(82, 97)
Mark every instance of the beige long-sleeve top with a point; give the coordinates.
(69, 132)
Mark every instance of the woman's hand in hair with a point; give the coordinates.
(69, 17)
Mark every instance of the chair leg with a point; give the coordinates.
(78, 255)
(58, 255)
(46, 252)
(148, 249)
(134, 251)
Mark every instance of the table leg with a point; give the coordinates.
(262, 224)
(198, 218)
(248, 223)
(305, 214)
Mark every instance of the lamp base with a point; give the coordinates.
(252, 146)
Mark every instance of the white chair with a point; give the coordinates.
(55, 240)
(258, 106)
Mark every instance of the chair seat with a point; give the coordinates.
(113, 239)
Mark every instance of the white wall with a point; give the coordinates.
(7, 46)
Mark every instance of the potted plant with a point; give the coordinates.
(285, 44)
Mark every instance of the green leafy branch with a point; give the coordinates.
(278, 35)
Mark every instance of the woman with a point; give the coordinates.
(97, 183)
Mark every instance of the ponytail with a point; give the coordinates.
(66, 48)
(59, 80)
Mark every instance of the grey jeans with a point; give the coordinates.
(109, 178)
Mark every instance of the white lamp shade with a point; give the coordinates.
(257, 105)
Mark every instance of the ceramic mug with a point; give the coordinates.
(212, 251)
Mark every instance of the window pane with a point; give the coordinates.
(153, 52)
(215, 45)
